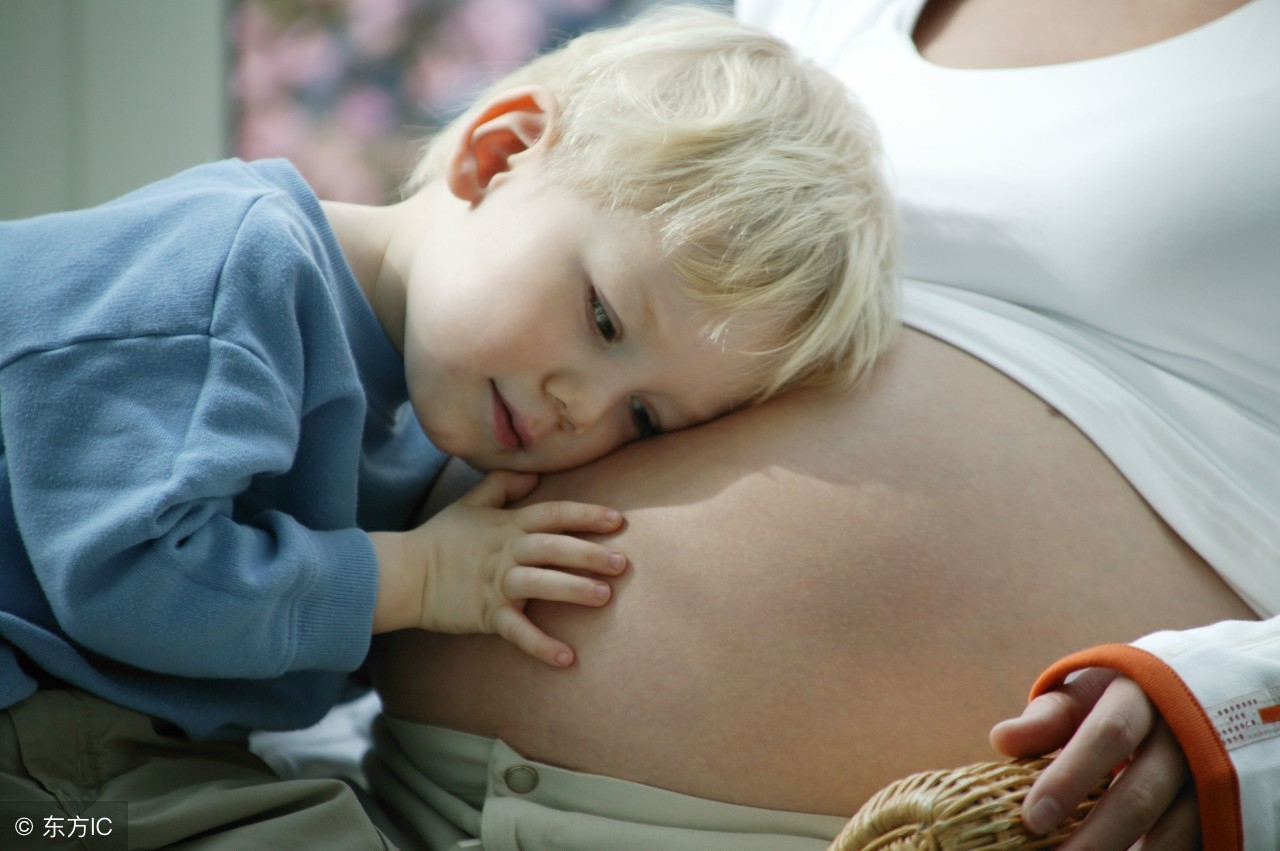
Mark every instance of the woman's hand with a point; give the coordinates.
(1099, 720)
(472, 567)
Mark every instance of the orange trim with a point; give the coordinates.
(1217, 787)
(1269, 714)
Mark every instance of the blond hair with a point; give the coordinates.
(759, 171)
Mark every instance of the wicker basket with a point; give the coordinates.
(975, 808)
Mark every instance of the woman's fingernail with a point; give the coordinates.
(1044, 816)
(563, 658)
(617, 561)
(602, 591)
(613, 516)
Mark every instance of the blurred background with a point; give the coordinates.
(101, 96)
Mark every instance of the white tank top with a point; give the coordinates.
(1107, 233)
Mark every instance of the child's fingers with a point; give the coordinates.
(536, 583)
(520, 631)
(548, 550)
(500, 487)
(562, 516)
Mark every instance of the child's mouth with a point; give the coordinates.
(503, 424)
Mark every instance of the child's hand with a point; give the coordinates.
(473, 566)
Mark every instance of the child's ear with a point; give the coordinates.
(514, 121)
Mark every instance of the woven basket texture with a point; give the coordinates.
(975, 808)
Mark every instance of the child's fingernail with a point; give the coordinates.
(602, 591)
(613, 516)
(563, 658)
(1043, 816)
(617, 561)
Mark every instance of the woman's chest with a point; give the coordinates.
(1023, 33)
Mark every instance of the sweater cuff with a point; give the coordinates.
(334, 619)
(1217, 786)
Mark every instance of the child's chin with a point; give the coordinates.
(485, 462)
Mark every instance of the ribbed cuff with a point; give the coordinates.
(334, 618)
(1217, 786)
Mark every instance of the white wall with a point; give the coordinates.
(98, 97)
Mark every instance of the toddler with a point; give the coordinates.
(221, 399)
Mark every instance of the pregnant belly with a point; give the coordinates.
(825, 593)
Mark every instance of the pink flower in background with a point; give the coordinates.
(278, 129)
(475, 43)
(501, 34)
(348, 88)
(335, 168)
(379, 28)
(580, 7)
(308, 56)
(255, 81)
(366, 113)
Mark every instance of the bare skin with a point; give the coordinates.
(826, 593)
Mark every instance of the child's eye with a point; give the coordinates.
(645, 423)
(600, 316)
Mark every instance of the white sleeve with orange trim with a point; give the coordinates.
(1218, 688)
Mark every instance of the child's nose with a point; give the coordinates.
(587, 403)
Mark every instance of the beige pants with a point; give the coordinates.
(443, 790)
(60, 749)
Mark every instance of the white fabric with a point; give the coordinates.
(333, 747)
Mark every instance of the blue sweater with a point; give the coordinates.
(199, 413)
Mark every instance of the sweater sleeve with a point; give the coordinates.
(129, 518)
(1218, 688)
(129, 455)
